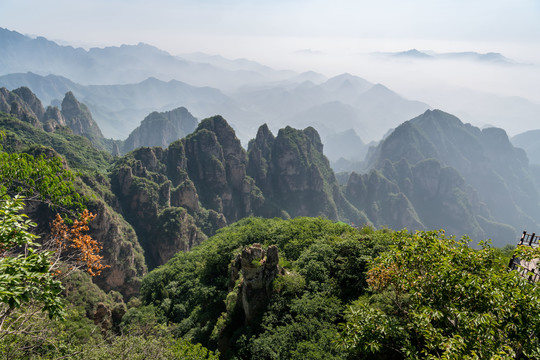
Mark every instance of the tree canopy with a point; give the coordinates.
(434, 296)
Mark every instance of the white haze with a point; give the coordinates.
(330, 37)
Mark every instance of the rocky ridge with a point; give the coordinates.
(161, 129)
(450, 175)
(23, 104)
(424, 175)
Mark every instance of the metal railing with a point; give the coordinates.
(527, 269)
(529, 239)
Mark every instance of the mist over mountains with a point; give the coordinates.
(120, 85)
(432, 171)
(414, 54)
(243, 91)
(428, 170)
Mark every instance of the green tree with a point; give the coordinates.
(43, 178)
(25, 272)
(31, 271)
(435, 297)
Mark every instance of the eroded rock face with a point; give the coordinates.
(53, 119)
(258, 268)
(382, 201)
(31, 100)
(216, 163)
(295, 177)
(175, 231)
(12, 103)
(185, 195)
(161, 129)
(200, 174)
(260, 157)
(79, 119)
(102, 317)
(121, 251)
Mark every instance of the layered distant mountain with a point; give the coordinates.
(436, 172)
(120, 86)
(341, 103)
(118, 109)
(125, 64)
(530, 142)
(431, 172)
(336, 105)
(414, 54)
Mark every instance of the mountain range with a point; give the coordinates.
(432, 171)
(121, 85)
(241, 90)
(414, 54)
(180, 171)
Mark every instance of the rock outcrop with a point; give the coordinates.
(53, 119)
(12, 103)
(257, 268)
(78, 118)
(216, 163)
(178, 196)
(296, 177)
(120, 249)
(161, 129)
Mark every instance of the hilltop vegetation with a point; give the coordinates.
(302, 283)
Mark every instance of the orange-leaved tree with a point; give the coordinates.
(73, 247)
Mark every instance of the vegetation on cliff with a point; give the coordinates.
(321, 268)
(290, 287)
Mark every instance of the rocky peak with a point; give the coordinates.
(263, 140)
(216, 162)
(79, 119)
(258, 268)
(296, 172)
(476, 177)
(161, 129)
(314, 138)
(53, 119)
(31, 100)
(12, 103)
(259, 158)
(225, 136)
(295, 176)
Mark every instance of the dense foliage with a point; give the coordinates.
(333, 291)
(324, 265)
(435, 297)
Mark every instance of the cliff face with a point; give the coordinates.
(161, 129)
(121, 250)
(78, 118)
(216, 162)
(31, 100)
(296, 177)
(12, 103)
(176, 197)
(382, 201)
(455, 176)
(53, 119)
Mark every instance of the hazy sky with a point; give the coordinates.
(322, 35)
(190, 25)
